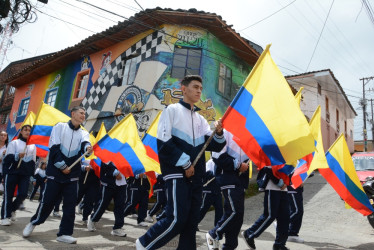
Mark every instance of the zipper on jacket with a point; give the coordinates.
(71, 141)
(193, 132)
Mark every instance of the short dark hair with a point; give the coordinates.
(189, 78)
(76, 108)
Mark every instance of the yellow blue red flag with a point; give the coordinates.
(265, 119)
(150, 139)
(46, 118)
(342, 176)
(123, 147)
(315, 160)
(95, 161)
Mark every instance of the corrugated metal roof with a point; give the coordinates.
(140, 22)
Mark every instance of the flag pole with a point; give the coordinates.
(85, 178)
(78, 160)
(204, 147)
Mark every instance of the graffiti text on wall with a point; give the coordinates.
(173, 96)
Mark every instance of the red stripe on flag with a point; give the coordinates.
(116, 158)
(344, 193)
(235, 123)
(151, 153)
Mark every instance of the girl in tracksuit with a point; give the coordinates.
(39, 180)
(113, 186)
(233, 177)
(18, 167)
(3, 145)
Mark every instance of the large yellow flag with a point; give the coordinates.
(46, 118)
(265, 120)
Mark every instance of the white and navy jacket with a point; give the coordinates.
(181, 134)
(11, 159)
(66, 145)
(228, 162)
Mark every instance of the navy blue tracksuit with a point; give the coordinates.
(39, 178)
(276, 206)
(110, 190)
(159, 191)
(211, 197)
(17, 176)
(139, 194)
(89, 192)
(66, 145)
(232, 183)
(295, 197)
(181, 135)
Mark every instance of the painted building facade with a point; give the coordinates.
(337, 113)
(141, 75)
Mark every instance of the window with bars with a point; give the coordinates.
(23, 107)
(50, 97)
(11, 90)
(186, 61)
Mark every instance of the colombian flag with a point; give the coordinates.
(46, 118)
(314, 160)
(96, 162)
(150, 143)
(342, 176)
(150, 139)
(266, 120)
(123, 147)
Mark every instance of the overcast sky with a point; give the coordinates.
(295, 28)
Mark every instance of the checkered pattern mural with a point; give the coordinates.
(146, 47)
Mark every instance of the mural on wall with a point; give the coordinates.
(142, 85)
(106, 58)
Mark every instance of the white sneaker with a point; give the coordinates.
(28, 230)
(13, 216)
(212, 243)
(139, 245)
(143, 224)
(6, 222)
(295, 239)
(56, 214)
(149, 219)
(118, 232)
(275, 225)
(66, 239)
(134, 216)
(91, 225)
(79, 210)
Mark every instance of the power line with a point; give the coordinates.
(328, 14)
(267, 16)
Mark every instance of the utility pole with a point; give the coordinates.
(367, 79)
(372, 125)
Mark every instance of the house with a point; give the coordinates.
(337, 114)
(7, 92)
(136, 66)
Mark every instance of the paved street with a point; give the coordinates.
(327, 225)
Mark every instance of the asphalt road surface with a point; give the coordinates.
(326, 225)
